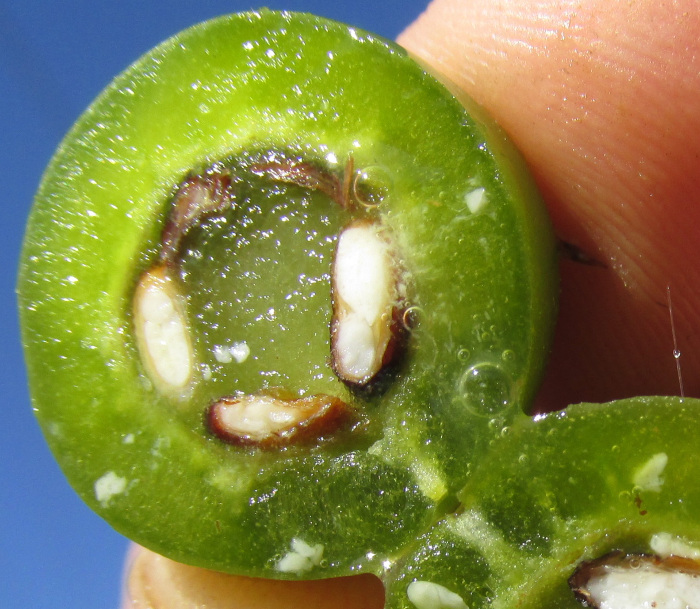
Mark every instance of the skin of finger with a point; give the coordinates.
(601, 98)
(155, 582)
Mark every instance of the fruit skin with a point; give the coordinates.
(483, 279)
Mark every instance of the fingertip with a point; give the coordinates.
(155, 582)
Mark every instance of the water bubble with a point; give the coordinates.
(485, 389)
(372, 185)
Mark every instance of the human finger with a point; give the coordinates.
(154, 582)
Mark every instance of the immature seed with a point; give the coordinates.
(629, 581)
(161, 332)
(197, 197)
(309, 176)
(364, 329)
(273, 419)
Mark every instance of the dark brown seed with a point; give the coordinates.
(199, 196)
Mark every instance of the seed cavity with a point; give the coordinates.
(369, 322)
(275, 418)
(367, 315)
(626, 581)
(161, 330)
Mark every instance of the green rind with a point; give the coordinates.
(482, 280)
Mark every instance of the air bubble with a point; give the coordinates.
(485, 389)
(372, 186)
(410, 317)
(508, 355)
(625, 496)
(463, 355)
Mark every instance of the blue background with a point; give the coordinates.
(55, 57)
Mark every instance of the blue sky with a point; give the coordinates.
(55, 57)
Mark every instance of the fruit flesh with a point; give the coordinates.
(467, 221)
(560, 489)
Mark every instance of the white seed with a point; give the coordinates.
(621, 581)
(268, 419)
(665, 544)
(161, 331)
(365, 294)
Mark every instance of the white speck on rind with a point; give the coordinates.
(313, 553)
(107, 486)
(476, 199)
(222, 354)
(128, 439)
(665, 544)
(428, 595)
(206, 372)
(240, 351)
(648, 477)
(292, 562)
(302, 557)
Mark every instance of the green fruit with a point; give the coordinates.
(190, 259)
